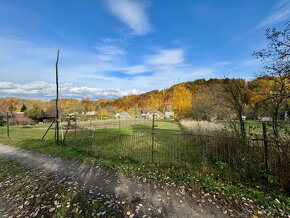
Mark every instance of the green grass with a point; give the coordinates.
(255, 127)
(174, 158)
(109, 143)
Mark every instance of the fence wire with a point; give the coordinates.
(188, 150)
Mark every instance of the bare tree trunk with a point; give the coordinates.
(242, 128)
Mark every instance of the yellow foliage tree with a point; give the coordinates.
(155, 101)
(182, 101)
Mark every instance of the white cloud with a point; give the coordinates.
(132, 13)
(167, 57)
(42, 89)
(136, 69)
(280, 12)
(109, 50)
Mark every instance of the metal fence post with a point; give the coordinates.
(7, 124)
(153, 137)
(93, 145)
(75, 125)
(266, 147)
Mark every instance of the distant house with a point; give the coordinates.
(74, 113)
(19, 118)
(48, 117)
(91, 113)
(158, 115)
(169, 114)
(142, 116)
(15, 118)
(123, 115)
(265, 119)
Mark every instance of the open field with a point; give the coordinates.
(111, 123)
(108, 143)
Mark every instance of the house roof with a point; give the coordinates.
(156, 112)
(47, 116)
(20, 117)
(169, 113)
(123, 114)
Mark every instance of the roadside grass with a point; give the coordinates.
(30, 194)
(255, 127)
(109, 148)
(246, 199)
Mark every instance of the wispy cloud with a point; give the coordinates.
(131, 12)
(280, 12)
(45, 90)
(167, 57)
(108, 50)
(136, 69)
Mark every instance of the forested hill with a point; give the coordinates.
(164, 100)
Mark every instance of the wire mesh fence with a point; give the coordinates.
(171, 147)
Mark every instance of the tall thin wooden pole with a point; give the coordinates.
(56, 102)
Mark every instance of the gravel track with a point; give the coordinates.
(149, 201)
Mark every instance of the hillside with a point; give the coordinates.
(162, 100)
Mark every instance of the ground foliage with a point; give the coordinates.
(32, 194)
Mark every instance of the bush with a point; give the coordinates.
(36, 113)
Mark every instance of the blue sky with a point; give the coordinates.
(111, 48)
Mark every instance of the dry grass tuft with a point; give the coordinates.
(205, 128)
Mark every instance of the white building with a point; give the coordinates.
(169, 114)
(265, 119)
(158, 115)
(123, 115)
(91, 113)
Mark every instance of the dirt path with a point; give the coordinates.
(143, 200)
(5, 207)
